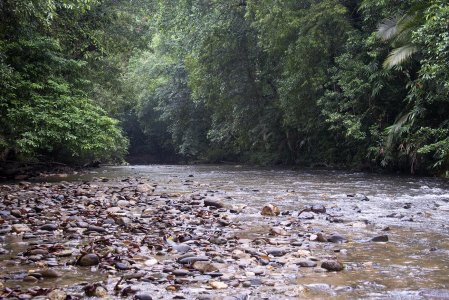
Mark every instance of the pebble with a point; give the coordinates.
(89, 260)
(270, 210)
(49, 273)
(380, 238)
(218, 285)
(332, 265)
(20, 228)
(213, 203)
(49, 227)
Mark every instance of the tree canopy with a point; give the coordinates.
(351, 83)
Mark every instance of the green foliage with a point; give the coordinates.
(339, 82)
(44, 112)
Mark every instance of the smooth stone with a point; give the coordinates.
(218, 285)
(213, 203)
(270, 210)
(101, 292)
(57, 295)
(49, 227)
(276, 252)
(318, 208)
(380, 238)
(20, 228)
(49, 273)
(307, 215)
(122, 266)
(30, 279)
(332, 265)
(89, 260)
(181, 272)
(192, 259)
(204, 267)
(305, 263)
(338, 239)
(143, 297)
(96, 229)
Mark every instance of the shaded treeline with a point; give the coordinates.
(331, 82)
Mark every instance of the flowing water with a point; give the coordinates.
(412, 211)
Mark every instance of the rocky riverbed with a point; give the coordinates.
(185, 238)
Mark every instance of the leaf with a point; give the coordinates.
(399, 56)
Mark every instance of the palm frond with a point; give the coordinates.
(399, 55)
(388, 29)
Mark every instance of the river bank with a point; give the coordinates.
(165, 232)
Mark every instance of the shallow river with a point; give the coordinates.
(412, 211)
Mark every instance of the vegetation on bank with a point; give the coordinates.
(353, 83)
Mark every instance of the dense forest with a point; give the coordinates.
(351, 83)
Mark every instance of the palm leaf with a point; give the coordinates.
(388, 29)
(399, 55)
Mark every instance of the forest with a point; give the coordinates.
(337, 83)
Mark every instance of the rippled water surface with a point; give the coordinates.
(412, 211)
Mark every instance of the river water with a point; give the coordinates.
(412, 211)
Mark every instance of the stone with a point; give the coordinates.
(96, 229)
(332, 265)
(276, 252)
(100, 292)
(57, 295)
(143, 297)
(192, 259)
(180, 272)
(213, 203)
(49, 273)
(30, 279)
(49, 227)
(380, 238)
(204, 267)
(305, 263)
(270, 210)
(20, 228)
(338, 239)
(88, 260)
(218, 285)
(278, 231)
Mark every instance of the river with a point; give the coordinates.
(411, 211)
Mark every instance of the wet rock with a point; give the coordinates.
(218, 285)
(277, 252)
(307, 215)
(319, 237)
(49, 227)
(192, 259)
(20, 228)
(180, 272)
(100, 292)
(89, 260)
(278, 231)
(150, 262)
(332, 265)
(338, 239)
(122, 266)
(30, 279)
(380, 238)
(96, 229)
(57, 295)
(305, 263)
(213, 203)
(204, 267)
(49, 273)
(143, 297)
(270, 210)
(123, 203)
